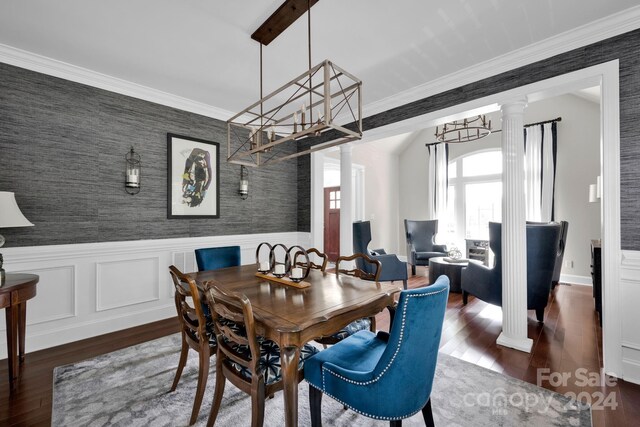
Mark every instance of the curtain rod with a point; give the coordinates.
(557, 119)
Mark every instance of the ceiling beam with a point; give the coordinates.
(281, 19)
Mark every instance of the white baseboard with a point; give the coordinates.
(631, 362)
(90, 289)
(576, 280)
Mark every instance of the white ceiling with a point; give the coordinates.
(201, 50)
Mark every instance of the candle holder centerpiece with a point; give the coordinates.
(279, 259)
(263, 262)
(283, 265)
(299, 270)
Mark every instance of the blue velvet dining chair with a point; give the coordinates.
(215, 258)
(385, 376)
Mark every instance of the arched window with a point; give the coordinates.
(475, 195)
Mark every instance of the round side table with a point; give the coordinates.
(14, 293)
(453, 270)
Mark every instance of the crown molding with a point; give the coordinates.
(602, 29)
(613, 25)
(42, 64)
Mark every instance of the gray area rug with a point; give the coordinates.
(130, 387)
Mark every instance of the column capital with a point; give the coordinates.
(515, 106)
(346, 148)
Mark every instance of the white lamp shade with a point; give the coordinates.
(10, 214)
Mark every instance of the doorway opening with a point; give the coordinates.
(606, 77)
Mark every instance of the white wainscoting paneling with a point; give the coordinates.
(630, 292)
(126, 282)
(56, 284)
(91, 289)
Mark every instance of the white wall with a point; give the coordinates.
(577, 167)
(381, 196)
(412, 192)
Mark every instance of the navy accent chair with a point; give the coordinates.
(197, 333)
(249, 361)
(215, 258)
(564, 229)
(486, 282)
(421, 242)
(392, 268)
(385, 376)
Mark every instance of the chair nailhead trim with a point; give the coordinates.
(376, 417)
(376, 379)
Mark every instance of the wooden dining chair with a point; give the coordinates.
(370, 273)
(249, 361)
(312, 265)
(196, 331)
(367, 323)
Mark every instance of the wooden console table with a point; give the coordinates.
(14, 293)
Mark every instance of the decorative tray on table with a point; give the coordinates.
(284, 280)
(456, 260)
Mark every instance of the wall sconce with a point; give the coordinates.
(132, 172)
(595, 191)
(244, 183)
(592, 193)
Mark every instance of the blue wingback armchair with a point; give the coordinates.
(420, 242)
(392, 268)
(215, 258)
(385, 376)
(564, 230)
(542, 246)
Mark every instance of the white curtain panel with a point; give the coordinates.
(539, 169)
(437, 182)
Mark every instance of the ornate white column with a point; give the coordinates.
(346, 196)
(317, 200)
(514, 232)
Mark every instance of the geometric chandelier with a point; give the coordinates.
(318, 109)
(469, 129)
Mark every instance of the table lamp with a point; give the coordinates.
(10, 216)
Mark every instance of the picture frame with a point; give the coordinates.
(193, 178)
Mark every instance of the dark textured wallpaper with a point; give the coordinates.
(625, 48)
(62, 147)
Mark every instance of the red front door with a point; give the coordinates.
(332, 222)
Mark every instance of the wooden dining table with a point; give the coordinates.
(291, 316)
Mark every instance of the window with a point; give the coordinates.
(334, 199)
(475, 196)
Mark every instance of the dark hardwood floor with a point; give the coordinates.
(569, 339)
